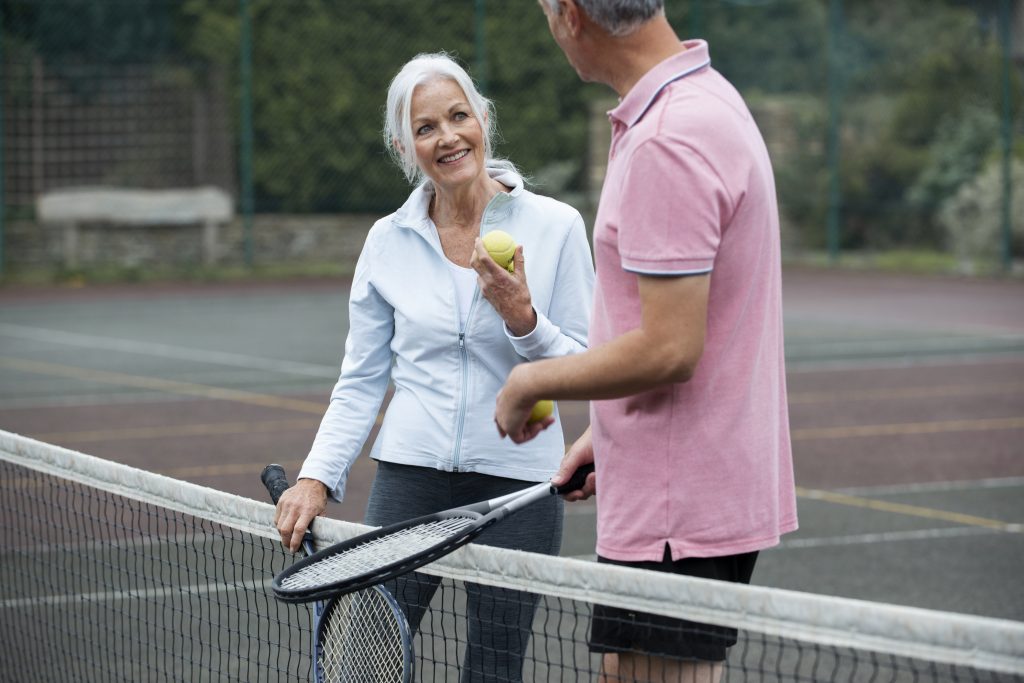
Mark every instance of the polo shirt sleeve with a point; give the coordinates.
(674, 205)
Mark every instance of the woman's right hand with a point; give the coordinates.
(296, 510)
(507, 292)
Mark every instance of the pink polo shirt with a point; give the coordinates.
(704, 465)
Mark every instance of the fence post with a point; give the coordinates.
(480, 18)
(1007, 137)
(696, 19)
(245, 141)
(834, 217)
(3, 193)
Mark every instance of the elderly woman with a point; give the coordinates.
(432, 312)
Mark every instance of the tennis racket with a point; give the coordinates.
(383, 554)
(361, 636)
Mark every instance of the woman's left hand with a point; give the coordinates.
(506, 291)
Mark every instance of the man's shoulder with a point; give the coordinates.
(700, 121)
(695, 108)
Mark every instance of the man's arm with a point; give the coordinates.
(665, 349)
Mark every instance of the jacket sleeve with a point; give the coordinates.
(563, 330)
(359, 392)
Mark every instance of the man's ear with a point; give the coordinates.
(571, 16)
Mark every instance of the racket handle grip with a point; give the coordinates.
(577, 480)
(274, 478)
(276, 481)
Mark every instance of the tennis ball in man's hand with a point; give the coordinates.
(541, 410)
(502, 248)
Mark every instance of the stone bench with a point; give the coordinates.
(71, 208)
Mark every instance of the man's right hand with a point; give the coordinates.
(296, 510)
(579, 454)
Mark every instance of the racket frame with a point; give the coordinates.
(323, 622)
(486, 513)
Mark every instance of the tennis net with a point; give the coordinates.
(109, 573)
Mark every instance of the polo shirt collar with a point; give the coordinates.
(642, 95)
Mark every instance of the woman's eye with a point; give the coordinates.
(423, 130)
(461, 116)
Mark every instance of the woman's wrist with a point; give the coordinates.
(524, 325)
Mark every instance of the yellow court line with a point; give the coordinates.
(165, 385)
(911, 510)
(172, 431)
(803, 397)
(983, 424)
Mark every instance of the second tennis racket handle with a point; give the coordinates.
(577, 480)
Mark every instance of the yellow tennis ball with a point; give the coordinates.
(502, 248)
(541, 410)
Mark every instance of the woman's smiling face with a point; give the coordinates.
(448, 137)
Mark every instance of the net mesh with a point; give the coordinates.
(109, 573)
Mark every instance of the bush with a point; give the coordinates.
(973, 219)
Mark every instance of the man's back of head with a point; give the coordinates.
(617, 17)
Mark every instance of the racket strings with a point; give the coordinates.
(375, 554)
(362, 640)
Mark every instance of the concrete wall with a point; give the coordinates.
(277, 239)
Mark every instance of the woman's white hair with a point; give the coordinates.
(398, 134)
(618, 17)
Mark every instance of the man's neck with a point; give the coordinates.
(626, 60)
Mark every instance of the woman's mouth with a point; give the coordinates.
(451, 158)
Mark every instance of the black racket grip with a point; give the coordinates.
(577, 480)
(276, 481)
(274, 478)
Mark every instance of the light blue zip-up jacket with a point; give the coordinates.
(404, 326)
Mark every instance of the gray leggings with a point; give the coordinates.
(500, 619)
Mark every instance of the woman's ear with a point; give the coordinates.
(398, 145)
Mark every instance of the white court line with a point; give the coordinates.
(929, 360)
(945, 343)
(885, 537)
(238, 360)
(933, 487)
(113, 596)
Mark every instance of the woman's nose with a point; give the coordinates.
(448, 137)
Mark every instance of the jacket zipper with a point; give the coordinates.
(464, 372)
(464, 361)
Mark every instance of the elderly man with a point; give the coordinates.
(689, 425)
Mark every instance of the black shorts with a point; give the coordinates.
(618, 630)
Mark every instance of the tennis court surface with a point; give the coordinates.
(154, 562)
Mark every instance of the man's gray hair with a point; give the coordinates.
(618, 17)
(421, 69)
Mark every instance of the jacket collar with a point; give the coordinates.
(414, 213)
(642, 95)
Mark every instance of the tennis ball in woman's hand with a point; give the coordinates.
(541, 410)
(502, 248)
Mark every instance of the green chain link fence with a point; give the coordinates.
(894, 127)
